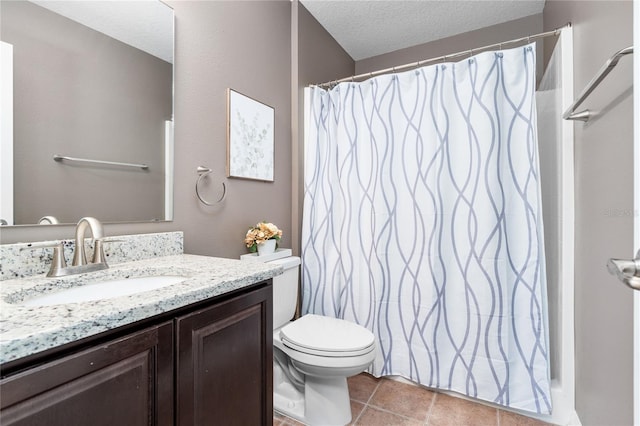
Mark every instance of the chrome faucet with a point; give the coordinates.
(79, 256)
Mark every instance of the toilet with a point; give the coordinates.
(313, 356)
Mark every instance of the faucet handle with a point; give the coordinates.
(98, 251)
(58, 262)
(42, 244)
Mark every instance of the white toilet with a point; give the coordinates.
(313, 356)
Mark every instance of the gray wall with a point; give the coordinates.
(604, 210)
(320, 57)
(80, 93)
(458, 43)
(245, 46)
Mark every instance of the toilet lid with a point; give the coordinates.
(325, 336)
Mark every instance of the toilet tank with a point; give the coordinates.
(285, 291)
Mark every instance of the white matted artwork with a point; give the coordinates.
(250, 138)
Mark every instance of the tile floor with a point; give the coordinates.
(385, 402)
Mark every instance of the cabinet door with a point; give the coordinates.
(225, 363)
(128, 381)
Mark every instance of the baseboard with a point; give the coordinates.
(563, 412)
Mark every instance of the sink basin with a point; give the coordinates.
(104, 290)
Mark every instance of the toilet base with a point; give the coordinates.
(325, 401)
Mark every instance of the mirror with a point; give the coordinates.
(86, 81)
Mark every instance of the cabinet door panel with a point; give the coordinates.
(125, 382)
(225, 363)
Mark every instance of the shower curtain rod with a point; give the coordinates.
(444, 58)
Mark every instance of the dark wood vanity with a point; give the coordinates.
(208, 363)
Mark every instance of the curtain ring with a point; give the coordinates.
(202, 172)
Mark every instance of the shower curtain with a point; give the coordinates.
(422, 222)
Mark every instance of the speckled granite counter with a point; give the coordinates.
(29, 330)
(16, 262)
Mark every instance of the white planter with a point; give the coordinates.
(267, 247)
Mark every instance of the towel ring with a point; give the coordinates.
(202, 172)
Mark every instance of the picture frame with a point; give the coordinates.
(250, 138)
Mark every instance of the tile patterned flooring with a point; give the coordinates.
(385, 402)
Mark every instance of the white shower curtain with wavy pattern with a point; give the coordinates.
(422, 222)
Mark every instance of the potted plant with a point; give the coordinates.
(263, 238)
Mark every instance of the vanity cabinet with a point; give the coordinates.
(225, 363)
(205, 364)
(128, 381)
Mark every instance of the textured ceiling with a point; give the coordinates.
(366, 28)
(143, 24)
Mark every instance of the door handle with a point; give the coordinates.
(627, 271)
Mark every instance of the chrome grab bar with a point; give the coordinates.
(627, 271)
(59, 158)
(570, 113)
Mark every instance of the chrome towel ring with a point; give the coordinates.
(202, 172)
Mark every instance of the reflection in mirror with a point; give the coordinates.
(90, 80)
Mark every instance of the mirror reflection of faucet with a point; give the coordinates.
(79, 265)
(48, 220)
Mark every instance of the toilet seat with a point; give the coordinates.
(327, 337)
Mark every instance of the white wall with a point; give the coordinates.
(6, 132)
(636, 243)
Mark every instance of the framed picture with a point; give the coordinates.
(250, 138)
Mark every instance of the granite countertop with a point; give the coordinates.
(28, 330)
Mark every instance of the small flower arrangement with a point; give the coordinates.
(260, 233)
